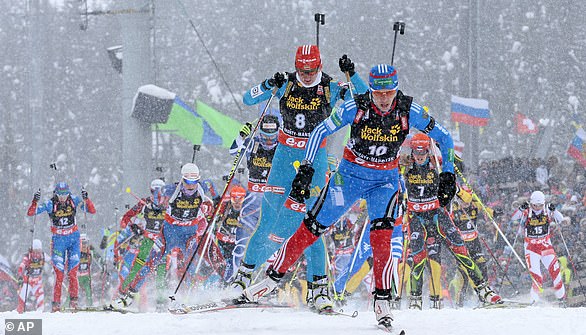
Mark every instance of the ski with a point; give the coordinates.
(105, 308)
(331, 311)
(220, 306)
(385, 326)
(505, 304)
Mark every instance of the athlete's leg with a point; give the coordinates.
(551, 263)
(58, 248)
(39, 295)
(73, 258)
(418, 253)
(533, 260)
(453, 239)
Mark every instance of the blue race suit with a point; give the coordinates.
(368, 170)
(65, 242)
(259, 159)
(301, 108)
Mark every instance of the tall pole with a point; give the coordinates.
(35, 89)
(320, 19)
(137, 71)
(473, 75)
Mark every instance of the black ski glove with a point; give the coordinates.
(300, 186)
(346, 65)
(84, 194)
(37, 196)
(277, 80)
(524, 206)
(135, 229)
(245, 130)
(446, 188)
(551, 207)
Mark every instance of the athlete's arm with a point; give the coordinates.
(359, 85)
(420, 119)
(338, 119)
(262, 92)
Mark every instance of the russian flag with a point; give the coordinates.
(577, 149)
(474, 112)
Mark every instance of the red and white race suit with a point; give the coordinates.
(538, 248)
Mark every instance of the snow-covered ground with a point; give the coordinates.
(531, 321)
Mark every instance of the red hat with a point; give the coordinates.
(237, 192)
(420, 142)
(307, 57)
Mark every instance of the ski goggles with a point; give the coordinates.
(190, 182)
(237, 199)
(62, 193)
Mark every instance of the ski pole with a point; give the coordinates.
(350, 88)
(490, 217)
(210, 228)
(320, 19)
(566, 246)
(492, 255)
(357, 249)
(26, 270)
(508, 262)
(398, 26)
(499, 266)
(196, 148)
(129, 191)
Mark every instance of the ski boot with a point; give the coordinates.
(487, 295)
(161, 305)
(318, 298)
(124, 301)
(382, 308)
(242, 279)
(73, 303)
(435, 302)
(341, 299)
(562, 303)
(254, 292)
(55, 307)
(415, 302)
(396, 303)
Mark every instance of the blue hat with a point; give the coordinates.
(62, 189)
(383, 77)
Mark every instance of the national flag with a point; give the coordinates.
(474, 112)
(577, 149)
(202, 125)
(525, 125)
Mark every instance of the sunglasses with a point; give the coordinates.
(383, 93)
(310, 71)
(419, 153)
(62, 193)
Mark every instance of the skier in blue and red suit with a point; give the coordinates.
(306, 98)
(379, 123)
(65, 243)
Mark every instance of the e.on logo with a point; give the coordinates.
(295, 143)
